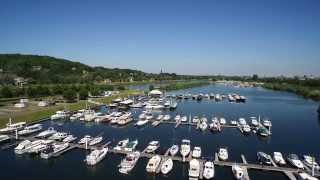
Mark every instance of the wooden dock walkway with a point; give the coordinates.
(289, 172)
(245, 169)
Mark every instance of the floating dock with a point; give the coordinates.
(289, 172)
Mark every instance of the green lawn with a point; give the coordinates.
(40, 113)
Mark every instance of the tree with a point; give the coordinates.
(83, 93)
(70, 95)
(151, 87)
(121, 88)
(255, 77)
(6, 92)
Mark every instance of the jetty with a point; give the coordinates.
(288, 171)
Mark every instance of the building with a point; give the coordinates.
(20, 82)
(155, 93)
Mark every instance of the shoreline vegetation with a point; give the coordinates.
(172, 86)
(33, 115)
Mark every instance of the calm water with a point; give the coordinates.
(295, 130)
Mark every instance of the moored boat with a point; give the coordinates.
(167, 166)
(96, 156)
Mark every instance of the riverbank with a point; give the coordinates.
(31, 114)
(305, 91)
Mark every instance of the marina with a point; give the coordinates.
(168, 132)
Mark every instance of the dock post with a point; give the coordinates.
(86, 144)
(16, 134)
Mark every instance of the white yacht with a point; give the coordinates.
(59, 115)
(237, 172)
(160, 117)
(96, 141)
(30, 130)
(267, 123)
(167, 117)
(196, 153)
(203, 126)
(142, 122)
(167, 166)
(46, 133)
(12, 127)
(311, 162)
(223, 121)
(128, 163)
(185, 147)
(4, 138)
(40, 147)
(208, 171)
(254, 121)
(96, 156)
(89, 115)
(121, 144)
(53, 149)
(177, 118)
(85, 139)
(131, 146)
(184, 119)
(278, 158)
(70, 138)
(194, 168)
(124, 121)
(294, 160)
(223, 154)
(174, 150)
(234, 123)
(59, 136)
(153, 146)
(21, 148)
(246, 128)
(195, 119)
(153, 164)
(242, 122)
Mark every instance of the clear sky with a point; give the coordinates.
(240, 37)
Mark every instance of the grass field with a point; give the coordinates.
(33, 113)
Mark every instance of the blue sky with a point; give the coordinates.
(240, 37)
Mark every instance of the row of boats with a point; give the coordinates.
(217, 97)
(144, 102)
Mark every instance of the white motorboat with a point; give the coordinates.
(177, 118)
(196, 153)
(185, 147)
(96, 156)
(246, 128)
(153, 164)
(160, 117)
(195, 119)
(30, 130)
(234, 123)
(70, 138)
(40, 147)
(85, 139)
(242, 122)
(223, 121)
(153, 146)
(20, 149)
(46, 133)
(294, 160)
(311, 162)
(306, 176)
(223, 154)
(267, 123)
(59, 136)
(114, 120)
(174, 150)
(237, 172)
(278, 158)
(194, 168)
(184, 119)
(89, 115)
(264, 158)
(128, 163)
(154, 106)
(254, 121)
(167, 117)
(124, 121)
(142, 116)
(4, 138)
(12, 127)
(136, 105)
(96, 141)
(121, 144)
(208, 171)
(167, 166)
(53, 149)
(59, 115)
(131, 146)
(203, 126)
(142, 122)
